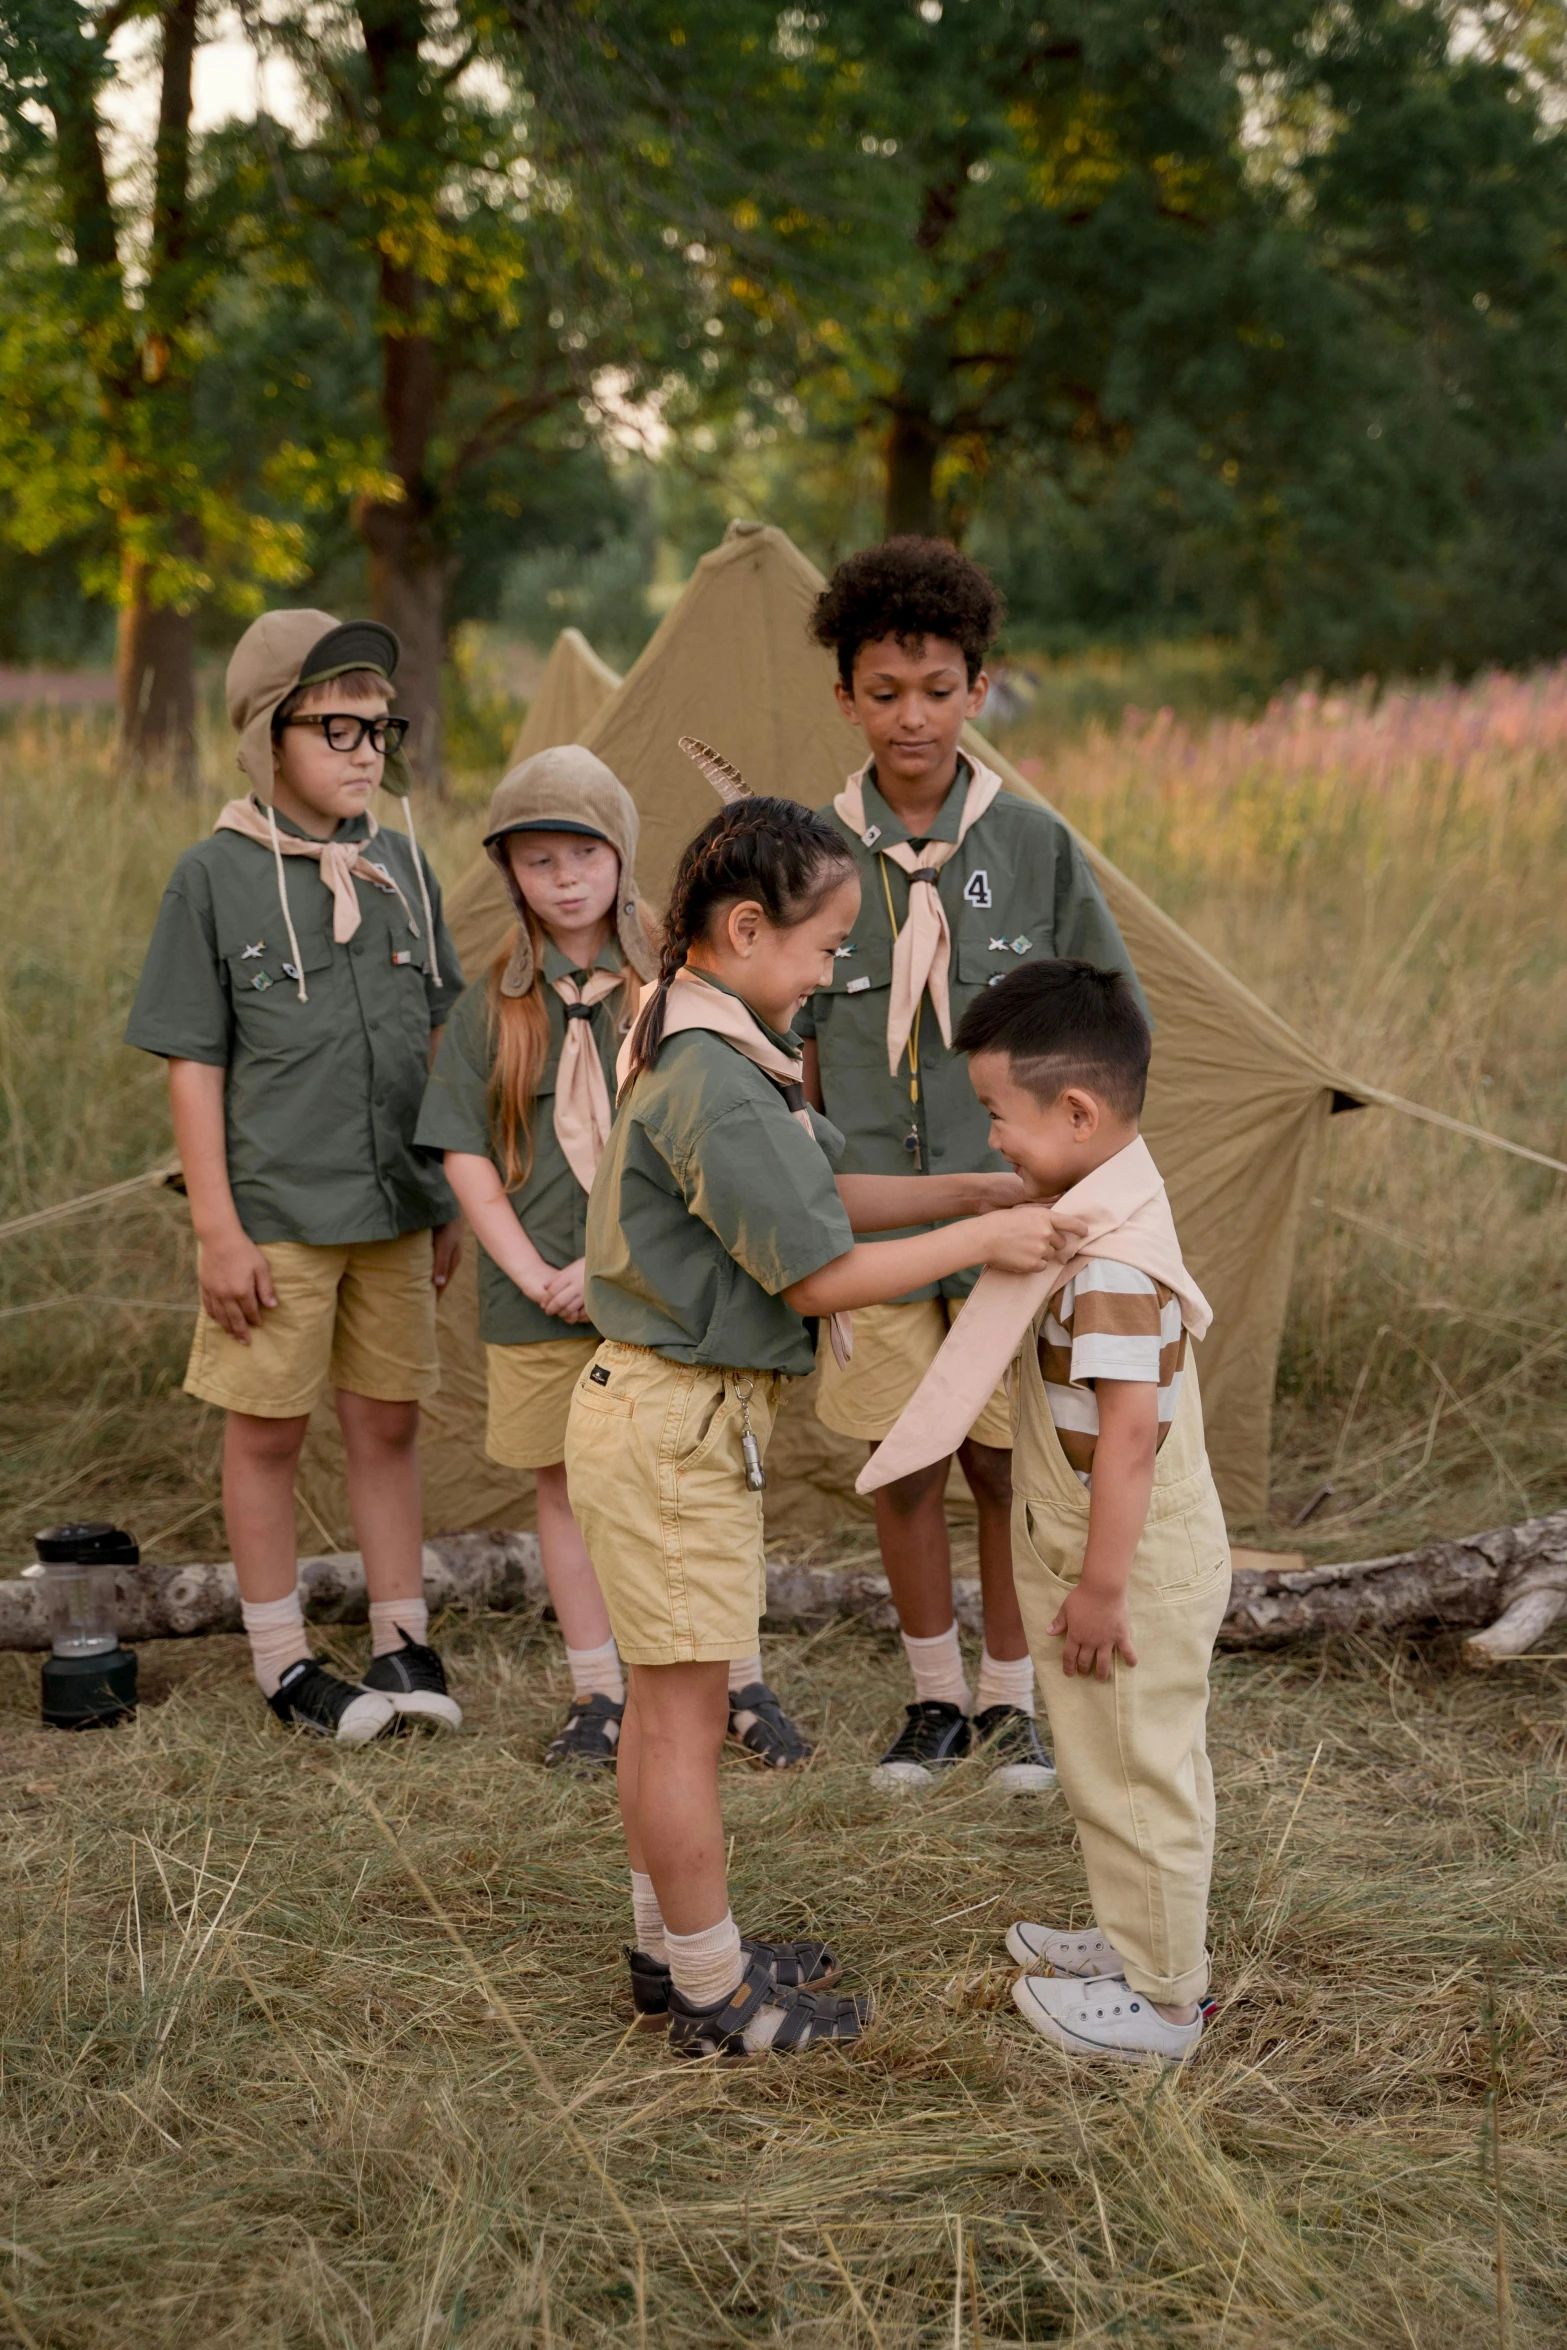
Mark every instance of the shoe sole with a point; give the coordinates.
(423, 1705)
(903, 1774)
(657, 2019)
(1049, 2027)
(1025, 1779)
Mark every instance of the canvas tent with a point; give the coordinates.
(1237, 1101)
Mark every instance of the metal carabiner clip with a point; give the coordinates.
(750, 1450)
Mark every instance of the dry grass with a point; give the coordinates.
(257, 2093)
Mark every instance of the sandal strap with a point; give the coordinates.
(772, 1732)
(795, 1964)
(816, 2015)
(720, 2031)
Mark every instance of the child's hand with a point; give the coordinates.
(564, 1293)
(1026, 1239)
(448, 1248)
(236, 1284)
(987, 1191)
(1094, 1626)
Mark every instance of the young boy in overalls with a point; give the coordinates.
(960, 883)
(1120, 1554)
(298, 977)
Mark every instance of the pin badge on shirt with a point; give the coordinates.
(291, 970)
(857, 986)
(1020, 946)
(840, 952)
(998, 946)
(250, 953)
(401, 955)
(261, 981)
(871, 835)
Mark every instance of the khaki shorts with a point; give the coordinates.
(894, 1347)
(361, 1316)
(657, 1482)
(530, 1390)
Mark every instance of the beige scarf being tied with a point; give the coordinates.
(691, 1003)
(341, 862)
(1125, 1212)
(583, 1111)
(922, 949)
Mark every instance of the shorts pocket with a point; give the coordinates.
(596, 1396)
(703, 1423)
(1193, 1550)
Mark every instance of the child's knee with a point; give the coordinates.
(370, 1424)
(254, 1442)
(988, 1469)
(922, 1489)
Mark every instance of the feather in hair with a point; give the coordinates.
(725, 779)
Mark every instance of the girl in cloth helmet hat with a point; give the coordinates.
(296, 978)
(520, 1100)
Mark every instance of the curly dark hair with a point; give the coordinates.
(910, 588)
(776, 851)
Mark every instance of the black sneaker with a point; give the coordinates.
(587, 1739)
(1010, 1738)
(414, 1678)
(807, 1966)
(310, 1698)
(759, 1722)
(935, 1734)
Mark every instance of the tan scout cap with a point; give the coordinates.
(566, 789)
(282, 650)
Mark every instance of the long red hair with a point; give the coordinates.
(520, 1042)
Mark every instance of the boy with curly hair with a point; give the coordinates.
(961, 882)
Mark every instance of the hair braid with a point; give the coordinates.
(775, 851)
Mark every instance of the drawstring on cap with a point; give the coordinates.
(424, 889)
(282, 891)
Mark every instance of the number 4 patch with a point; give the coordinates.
(976, 889)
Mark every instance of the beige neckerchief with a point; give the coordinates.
(1126, 1210)
(922, 949)
(341, 861)
(691, 1003)
(583, 1113)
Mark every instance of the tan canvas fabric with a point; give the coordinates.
(1237, 1102)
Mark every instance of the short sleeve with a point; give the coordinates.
(763, 1185)
(1117, 1324)
(182, 1009)
(1084, 925)
(454, 1115)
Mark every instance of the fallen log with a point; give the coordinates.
(1508, 1585)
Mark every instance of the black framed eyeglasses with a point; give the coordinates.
(344, 732)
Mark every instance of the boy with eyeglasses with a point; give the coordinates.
(297, 982)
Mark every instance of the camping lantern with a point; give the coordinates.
(88, 1678)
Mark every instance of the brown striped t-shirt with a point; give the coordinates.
(1110, 1322)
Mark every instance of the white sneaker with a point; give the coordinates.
(1063, 1954)
(1103, 2018)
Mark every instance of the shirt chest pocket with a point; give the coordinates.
(852, 1007)
(264, 981)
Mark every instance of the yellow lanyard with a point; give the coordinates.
(914, 1031)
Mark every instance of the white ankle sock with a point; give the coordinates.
(647, 1917)
(595, 1672)
(1005, 1681)
(937, 1666)
(745, 1670)
(707, 1966)
(277, 1637)
(391, 1618)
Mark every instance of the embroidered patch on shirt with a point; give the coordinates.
(976, 889)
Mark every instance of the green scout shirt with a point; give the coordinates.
(551, 1206)
(1018, 889)
(322, 1097)
(711, 1199)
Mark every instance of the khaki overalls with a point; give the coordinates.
(1131, 1751)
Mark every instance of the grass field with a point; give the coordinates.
(259, 2090)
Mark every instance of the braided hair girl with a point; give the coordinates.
(715, 1228)
(776, 853)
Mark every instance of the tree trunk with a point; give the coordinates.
(408, 591)
(1512, 1580)
(912, 447)
(155, 679)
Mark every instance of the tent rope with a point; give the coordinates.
(1497, 1142)
(148, 1180)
